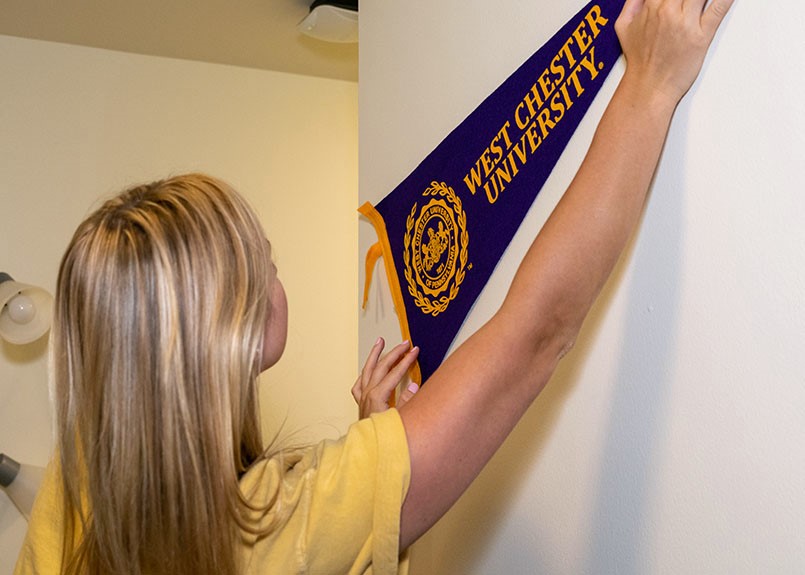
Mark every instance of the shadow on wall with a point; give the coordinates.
(620, 522)
(24, 354)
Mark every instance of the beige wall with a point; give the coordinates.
(77, 124)
(671, 439)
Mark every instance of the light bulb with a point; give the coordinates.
(21, 309)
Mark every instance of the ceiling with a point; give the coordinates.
(251, 33)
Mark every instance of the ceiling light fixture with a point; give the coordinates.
(332, 21)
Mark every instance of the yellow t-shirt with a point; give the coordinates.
(338, 502)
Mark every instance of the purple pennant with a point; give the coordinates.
(443, 230)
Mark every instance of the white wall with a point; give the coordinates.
(671, 440)
(77, 124)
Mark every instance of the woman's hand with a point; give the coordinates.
(665, 42)
(380, 377)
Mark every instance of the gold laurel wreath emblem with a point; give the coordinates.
(436, 306)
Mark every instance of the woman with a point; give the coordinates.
(168, 307)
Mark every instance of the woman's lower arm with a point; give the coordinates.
(574, 253)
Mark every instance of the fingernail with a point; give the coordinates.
(379, 341)
(413, 388)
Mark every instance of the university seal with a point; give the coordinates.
(435, 249)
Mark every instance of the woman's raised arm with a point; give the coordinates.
(461, 416)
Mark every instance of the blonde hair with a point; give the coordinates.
(162, 300)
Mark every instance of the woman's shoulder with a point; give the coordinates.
(380, 436)
(322, 504)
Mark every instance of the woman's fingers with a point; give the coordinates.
(368, 369)
(631, 8)
(381, 375)
(399, 370)
(713, 15)
(387, 362)
(379, 393)
(374, 355)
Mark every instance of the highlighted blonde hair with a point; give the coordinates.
(162, 300)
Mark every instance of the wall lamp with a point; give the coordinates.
(332, 21)
(20, 482)
(25, 311)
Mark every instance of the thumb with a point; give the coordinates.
(630, 9)
(410, 390)
(714, 15)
